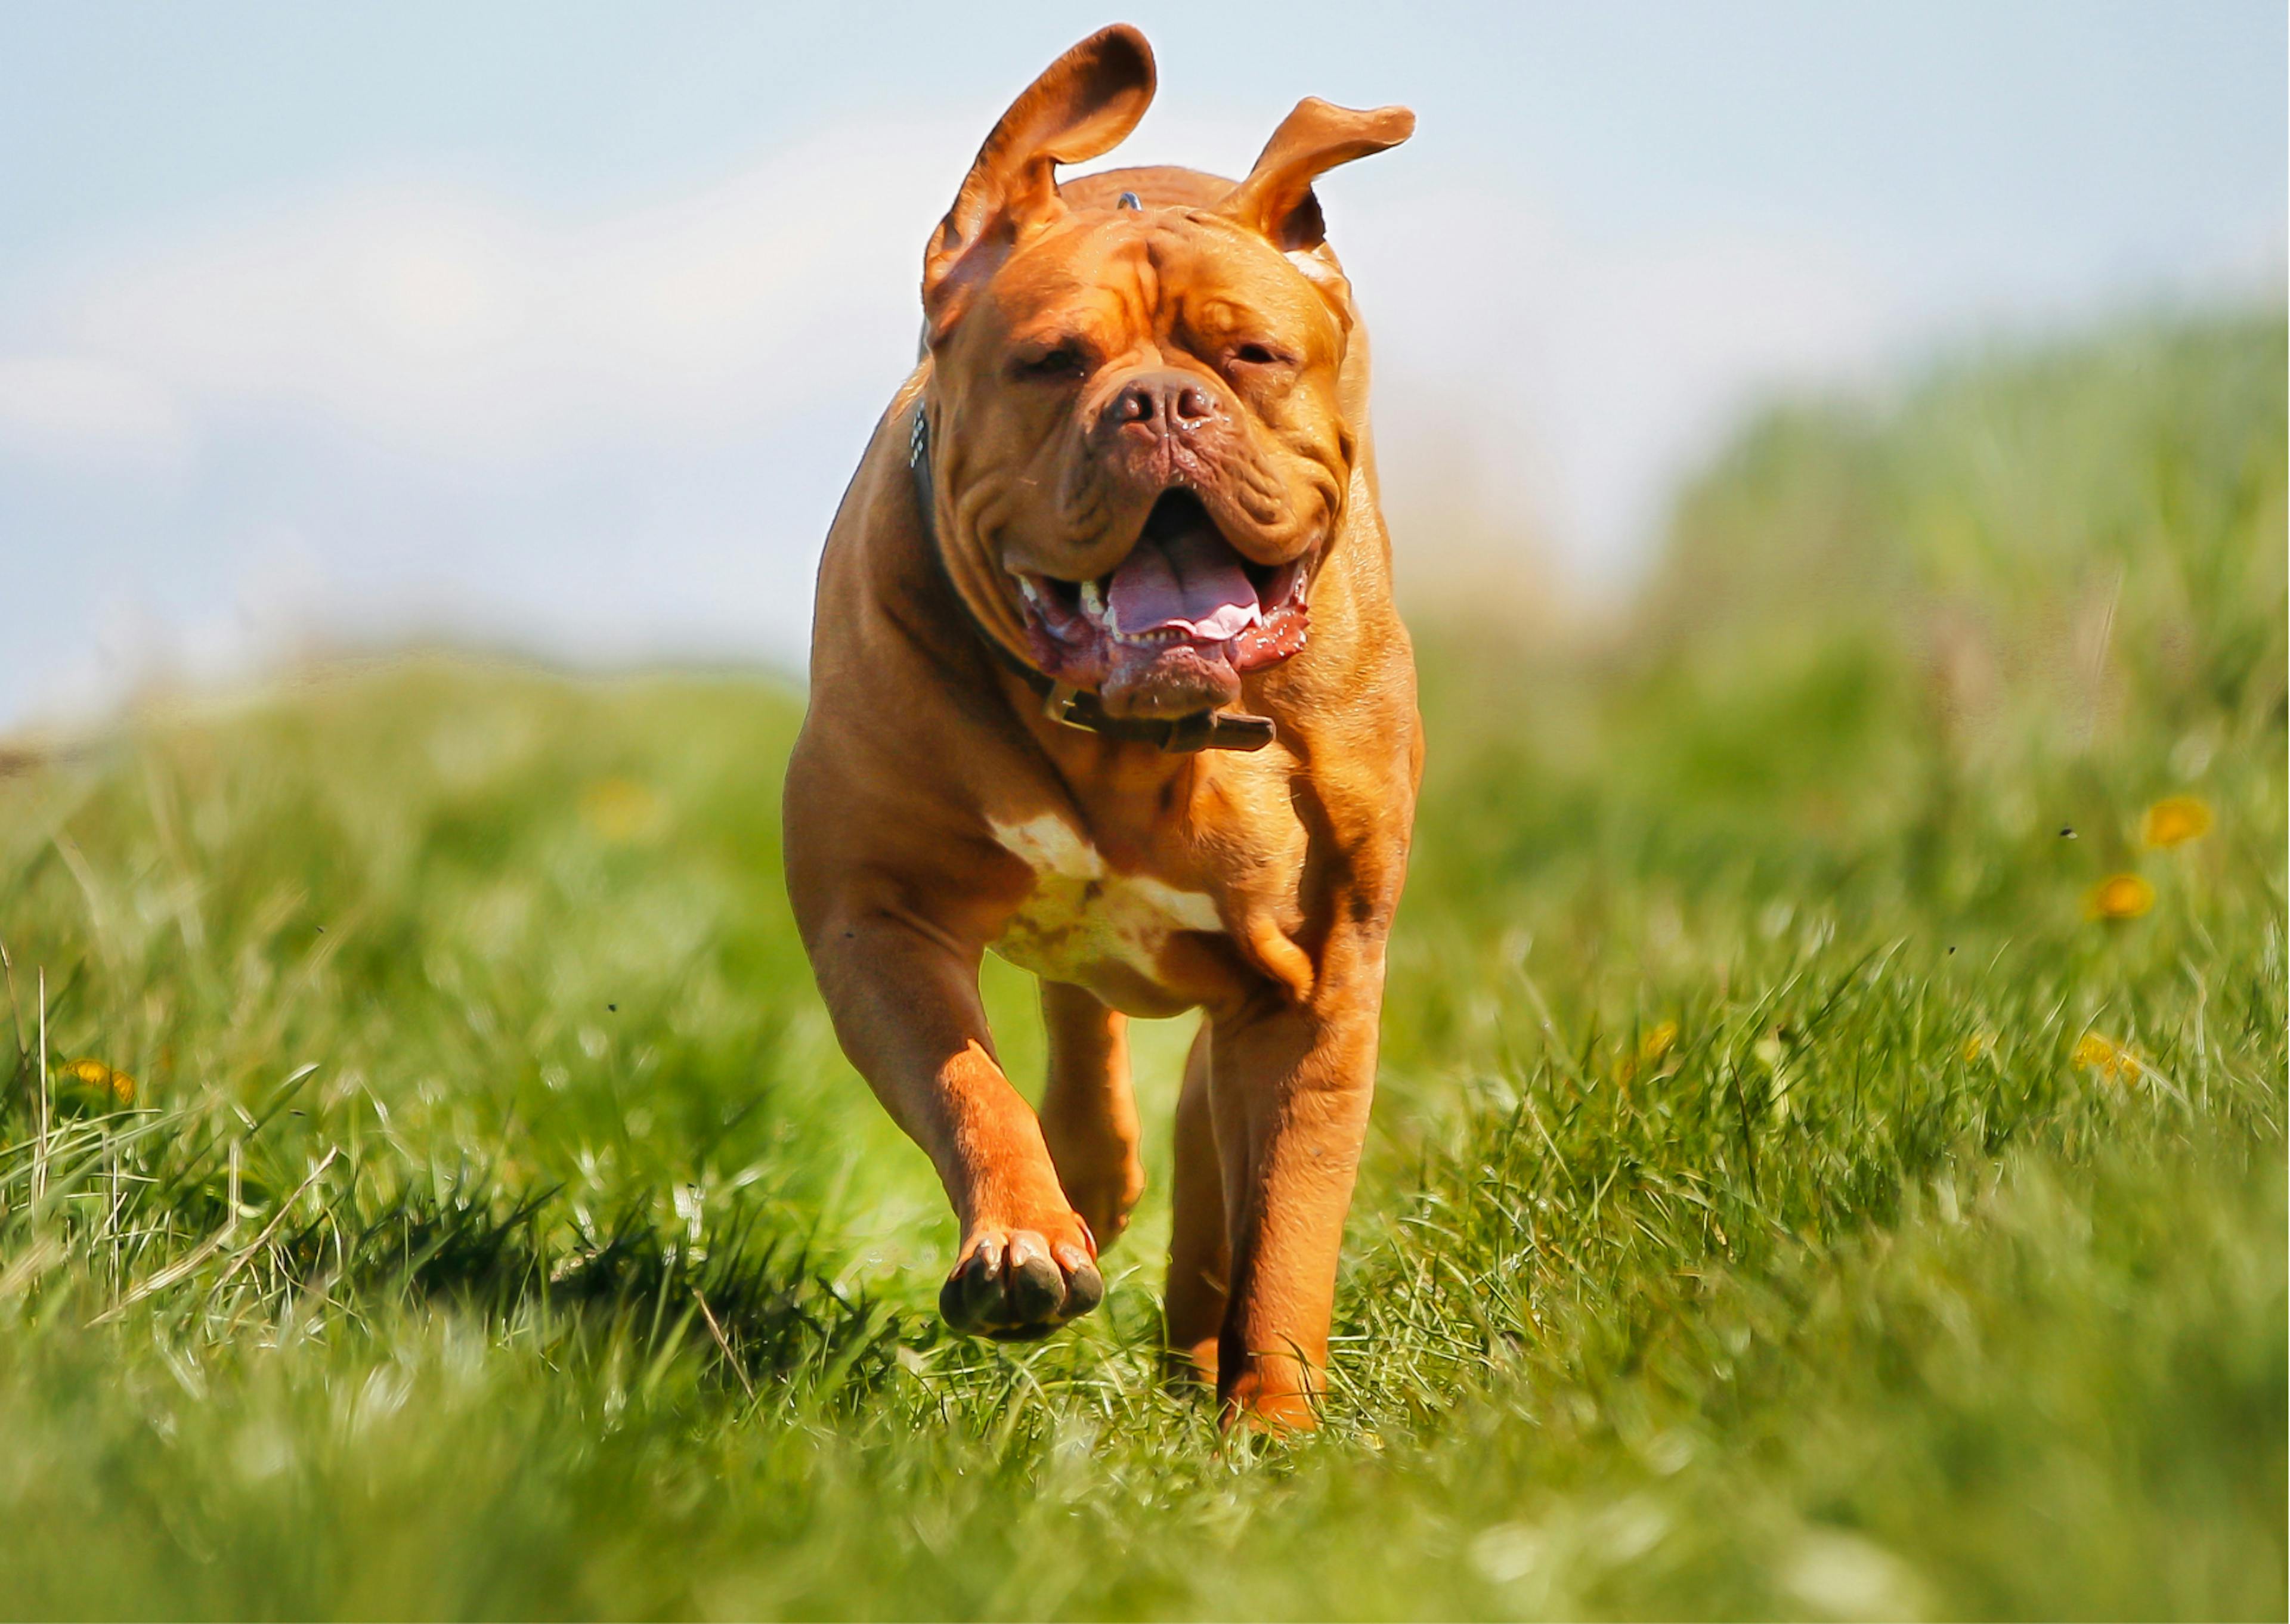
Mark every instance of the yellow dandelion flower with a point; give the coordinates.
(2120, 896)
(2105, 1056)
(97, 1077)
(1976, 1045)
(1657, 1042)
(2175, 819)
(621, 809)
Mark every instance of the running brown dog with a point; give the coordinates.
(1106, 678)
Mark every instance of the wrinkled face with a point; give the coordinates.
(1141, 455)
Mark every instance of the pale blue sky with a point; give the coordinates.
(564, 323)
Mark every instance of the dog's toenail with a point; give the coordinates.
(1083, 1292)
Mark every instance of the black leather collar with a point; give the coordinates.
(1206, 729)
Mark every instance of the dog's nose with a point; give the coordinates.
(1162, 403)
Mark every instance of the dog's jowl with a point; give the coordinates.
(1105, 679)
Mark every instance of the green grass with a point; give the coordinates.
(495, 1229)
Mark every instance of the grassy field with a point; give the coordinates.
(1828, 1160)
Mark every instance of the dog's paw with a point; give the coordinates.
(1017, 1284)
(1272, 1394)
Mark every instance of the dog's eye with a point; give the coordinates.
(1252, 354)
(1058, 361)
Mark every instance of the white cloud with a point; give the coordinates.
(448, 326)
(80, 410)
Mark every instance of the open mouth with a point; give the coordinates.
(1174, 628)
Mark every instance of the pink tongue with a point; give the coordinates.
(1191, 581)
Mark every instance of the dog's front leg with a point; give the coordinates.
(905, 1007)
(1290, 1086)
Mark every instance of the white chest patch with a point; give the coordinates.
(1081, 915)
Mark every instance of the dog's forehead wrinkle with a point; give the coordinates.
(1147, 292)
(1126, 281)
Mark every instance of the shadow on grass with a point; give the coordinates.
(193, 1213)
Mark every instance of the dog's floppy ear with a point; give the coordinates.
(1276, 198)
(1081, 107)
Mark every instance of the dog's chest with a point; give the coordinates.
(1083, 917)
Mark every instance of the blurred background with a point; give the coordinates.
(559, 328)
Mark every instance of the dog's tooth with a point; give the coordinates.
(1029, 591)
(1093, 601)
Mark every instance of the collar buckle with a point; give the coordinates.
(1059, 704)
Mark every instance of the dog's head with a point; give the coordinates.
(1139, 452)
